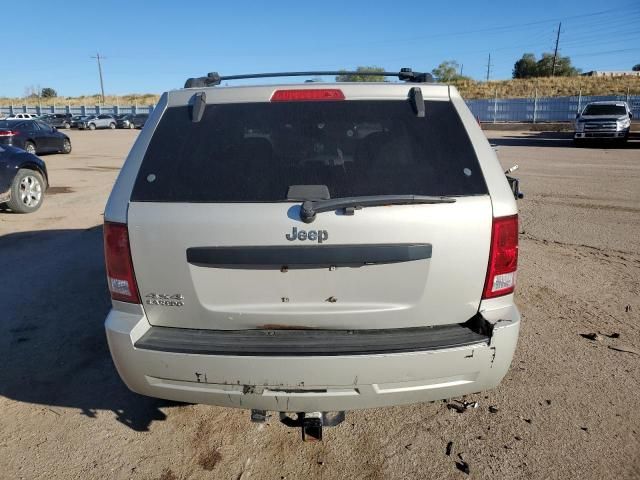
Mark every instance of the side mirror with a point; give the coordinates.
(630, 115)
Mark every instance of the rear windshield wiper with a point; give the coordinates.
(311, 207)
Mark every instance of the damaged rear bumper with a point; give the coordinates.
(318, 381)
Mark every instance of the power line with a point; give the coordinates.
(607, 52)
(98, 57)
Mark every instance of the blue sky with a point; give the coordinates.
(154, 46)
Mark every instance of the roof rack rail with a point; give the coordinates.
(213, 78)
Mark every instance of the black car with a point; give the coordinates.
(33, 136)
(23, 180)
(131, 120)
(139, 119)
(58, 120)
(77, 119)
(125, 120)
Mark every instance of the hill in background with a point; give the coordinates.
(550, 87)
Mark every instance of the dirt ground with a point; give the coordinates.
(569, 407)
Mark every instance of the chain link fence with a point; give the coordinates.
(76, 110)
(535, 109)
(542, 109)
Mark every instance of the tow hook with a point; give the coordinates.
(310, 423)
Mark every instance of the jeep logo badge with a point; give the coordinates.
(313, 235)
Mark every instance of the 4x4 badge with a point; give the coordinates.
(165, 299)
(313, 235)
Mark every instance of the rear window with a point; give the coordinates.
(253, 152)
(616, 110)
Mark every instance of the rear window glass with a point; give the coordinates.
(253, 152)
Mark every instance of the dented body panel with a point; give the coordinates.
(314, 383)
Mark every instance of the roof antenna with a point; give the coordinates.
(415, 95)
(199, 104)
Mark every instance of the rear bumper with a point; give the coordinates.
(305, 383)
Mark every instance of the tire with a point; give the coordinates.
(112, 126)
(131, 126)
(30, 147)
(27, 191)
(92, 126)
(66, 146)
(67, 125)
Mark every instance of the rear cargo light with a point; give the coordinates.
(7, 133)
(503, 257)
(117, 254)
(307, 95)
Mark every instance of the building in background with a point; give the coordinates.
(611, 73)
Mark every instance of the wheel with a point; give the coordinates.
(30, 147)
(112, 126)
(66, 146)
(67, 125)
(92, 126)
(27, 191)
(131, 126)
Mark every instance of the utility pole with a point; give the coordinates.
(555, 52)
(461, 67)
(488, 67)
(98, 57)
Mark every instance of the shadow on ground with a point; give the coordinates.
(559, 139)
(53, 348)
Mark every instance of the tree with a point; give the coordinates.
(32, 91)
(362, 78)
(447, 71)
(48, 93)
(563, 66)
(526, 67)
(636, 67)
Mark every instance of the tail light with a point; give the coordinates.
(307, 95)
(117, 253)
(8, 133)
(503, 257)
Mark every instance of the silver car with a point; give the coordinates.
(94, 122)
(603, 120)
(311, 248)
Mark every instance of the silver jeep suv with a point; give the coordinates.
(311, 248)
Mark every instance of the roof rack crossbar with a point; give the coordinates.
(213, 78)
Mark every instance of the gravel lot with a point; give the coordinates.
(569, 408)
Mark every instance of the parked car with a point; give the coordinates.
(33, 136)
(23, 180)
(603, 120)
(140, 119)
(78, 118)
(97, 121)
(125, 120)
(22, 116)
(58, 120)
(131, 120)
(317, 248)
